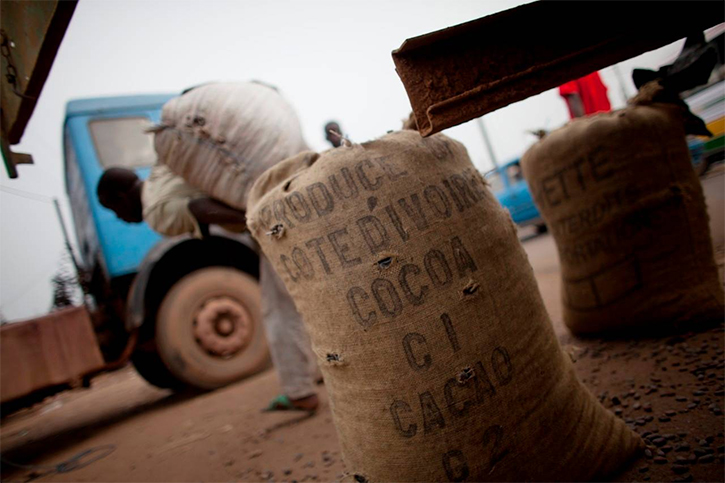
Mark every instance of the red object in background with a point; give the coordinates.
(591, 91)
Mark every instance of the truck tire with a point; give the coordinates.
(209, 328)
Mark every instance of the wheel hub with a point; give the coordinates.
(222, 327)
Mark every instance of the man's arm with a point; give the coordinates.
(211, 211)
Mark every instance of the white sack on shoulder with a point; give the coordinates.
(220, 137)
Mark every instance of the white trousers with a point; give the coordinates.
(288, 341)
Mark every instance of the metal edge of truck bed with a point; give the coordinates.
(31, 36)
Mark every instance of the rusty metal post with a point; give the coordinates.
(463, 72)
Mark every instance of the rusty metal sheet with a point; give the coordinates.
(463, 72)
(58, 348)
(31, 35)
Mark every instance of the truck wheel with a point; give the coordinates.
(208, 328)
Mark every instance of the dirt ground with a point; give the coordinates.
(669, 389)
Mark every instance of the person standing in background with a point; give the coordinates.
(333, 133)
(586, 95)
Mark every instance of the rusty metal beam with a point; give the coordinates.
(31, 35)
(463, 72)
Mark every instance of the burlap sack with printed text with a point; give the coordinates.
(626, 209)
(438, 355)
(220, 137)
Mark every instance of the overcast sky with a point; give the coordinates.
(331, 59)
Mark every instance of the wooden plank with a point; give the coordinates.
(58, 348)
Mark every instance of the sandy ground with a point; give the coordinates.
(669, 389)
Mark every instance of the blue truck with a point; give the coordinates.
(186, 311)
(511, 190)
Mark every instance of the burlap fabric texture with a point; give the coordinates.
(621, 198)
(220, 137)
(438, 355)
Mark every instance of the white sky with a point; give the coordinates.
(331, 59)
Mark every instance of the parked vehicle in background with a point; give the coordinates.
(708, 102)
(510, 188)
(191, 306)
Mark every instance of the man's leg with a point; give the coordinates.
(288, 341)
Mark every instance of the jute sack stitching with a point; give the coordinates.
(220, 137)
(438, 355)
(627, 211)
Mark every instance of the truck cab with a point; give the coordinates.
(510, 188)
(190, 307)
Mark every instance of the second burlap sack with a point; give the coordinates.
(438, 355)
(620, 196)
(220, 137)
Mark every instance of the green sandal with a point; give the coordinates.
(284, 403)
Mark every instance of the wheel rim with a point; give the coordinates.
(223, 327)
(186, 329)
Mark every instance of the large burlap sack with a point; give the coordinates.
(438, 355)
(220, 137)
(626, 209)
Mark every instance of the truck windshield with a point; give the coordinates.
(122, 142)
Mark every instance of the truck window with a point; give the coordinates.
(122, 142)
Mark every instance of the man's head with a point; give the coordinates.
(119, 190)
(331, 128)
